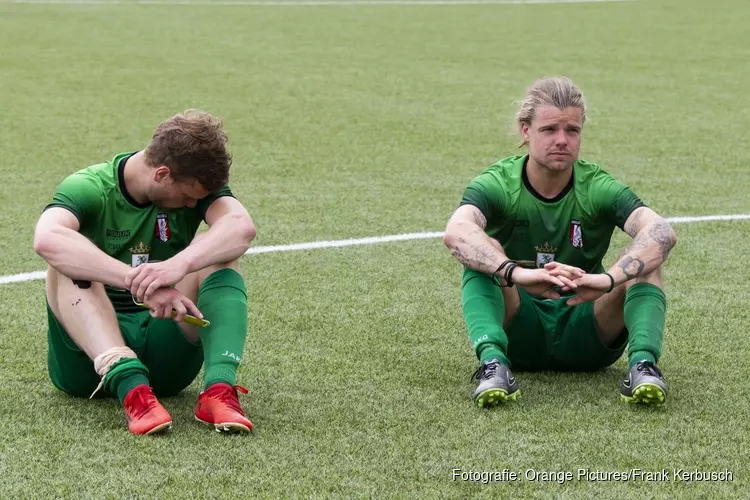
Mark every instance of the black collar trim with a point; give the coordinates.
(123, 189)
(538, 196)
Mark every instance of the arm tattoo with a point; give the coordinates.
(477, 257)
(483, 254)
(479, 219)
(635, 225)
(661, 233)
(639, 243)
(472, 249)
(631, 267)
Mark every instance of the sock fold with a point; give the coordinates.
(124, 375)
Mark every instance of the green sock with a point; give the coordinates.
(124, 375)
(484, 311)
(223, 301)
(645, 309)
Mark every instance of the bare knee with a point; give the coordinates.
(85, 312)
(61, 289)
(206, 272)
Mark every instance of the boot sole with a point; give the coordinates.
(228, 427)
(493, 397)
(648, 394)
(159, 428)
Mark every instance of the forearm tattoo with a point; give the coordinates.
(662, 235)
(473, 249)
(475, 256)
(639, 243)
(632, 267)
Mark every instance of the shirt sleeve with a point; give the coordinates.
(614, 200)
(484, 193)
(202, 206)
(81, 195)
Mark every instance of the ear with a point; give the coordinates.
(162, 173)
(524, 129)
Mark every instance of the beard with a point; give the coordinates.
(555, 163)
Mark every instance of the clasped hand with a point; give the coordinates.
(151, 284)
(540, 282)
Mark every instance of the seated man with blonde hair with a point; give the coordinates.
(531, 232)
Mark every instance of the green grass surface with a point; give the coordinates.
(361, 121)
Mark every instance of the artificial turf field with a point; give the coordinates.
(362, 120)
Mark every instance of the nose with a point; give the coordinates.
(561, 139)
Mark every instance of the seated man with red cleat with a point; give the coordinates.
(124, 231)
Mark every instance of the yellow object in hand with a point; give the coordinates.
(189, 318)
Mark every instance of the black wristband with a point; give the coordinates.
(505, 263)
(510, 265)
(612, 280)
(508, 273)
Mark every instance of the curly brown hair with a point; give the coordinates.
(193, 145)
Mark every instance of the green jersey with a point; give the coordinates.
(129, 231)
(573, 228)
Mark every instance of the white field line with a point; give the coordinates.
(38, 275)
(292, 3)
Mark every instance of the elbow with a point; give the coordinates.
(244, 226)
(250, 233)
(452, 234)
(665, 237)
(668, 235)
(40, 245)
(43, 243)
(672, 238)
(449, 236)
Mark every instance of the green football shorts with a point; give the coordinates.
(172, 361)
(546, 334)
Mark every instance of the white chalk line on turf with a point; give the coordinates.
(292, 3)
(312, 245)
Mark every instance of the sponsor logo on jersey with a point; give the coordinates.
(118, 234)
(521, 223)
(545, 254)
(140, 254)
(162, 227)
(576, 235)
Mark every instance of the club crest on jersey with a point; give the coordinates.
(576, 235)
(545, 254)
(162, 227)
(140, 254)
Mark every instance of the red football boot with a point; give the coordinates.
(145, 414)
(219, 405)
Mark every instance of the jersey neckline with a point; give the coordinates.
(536, 194)
(123, 188)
